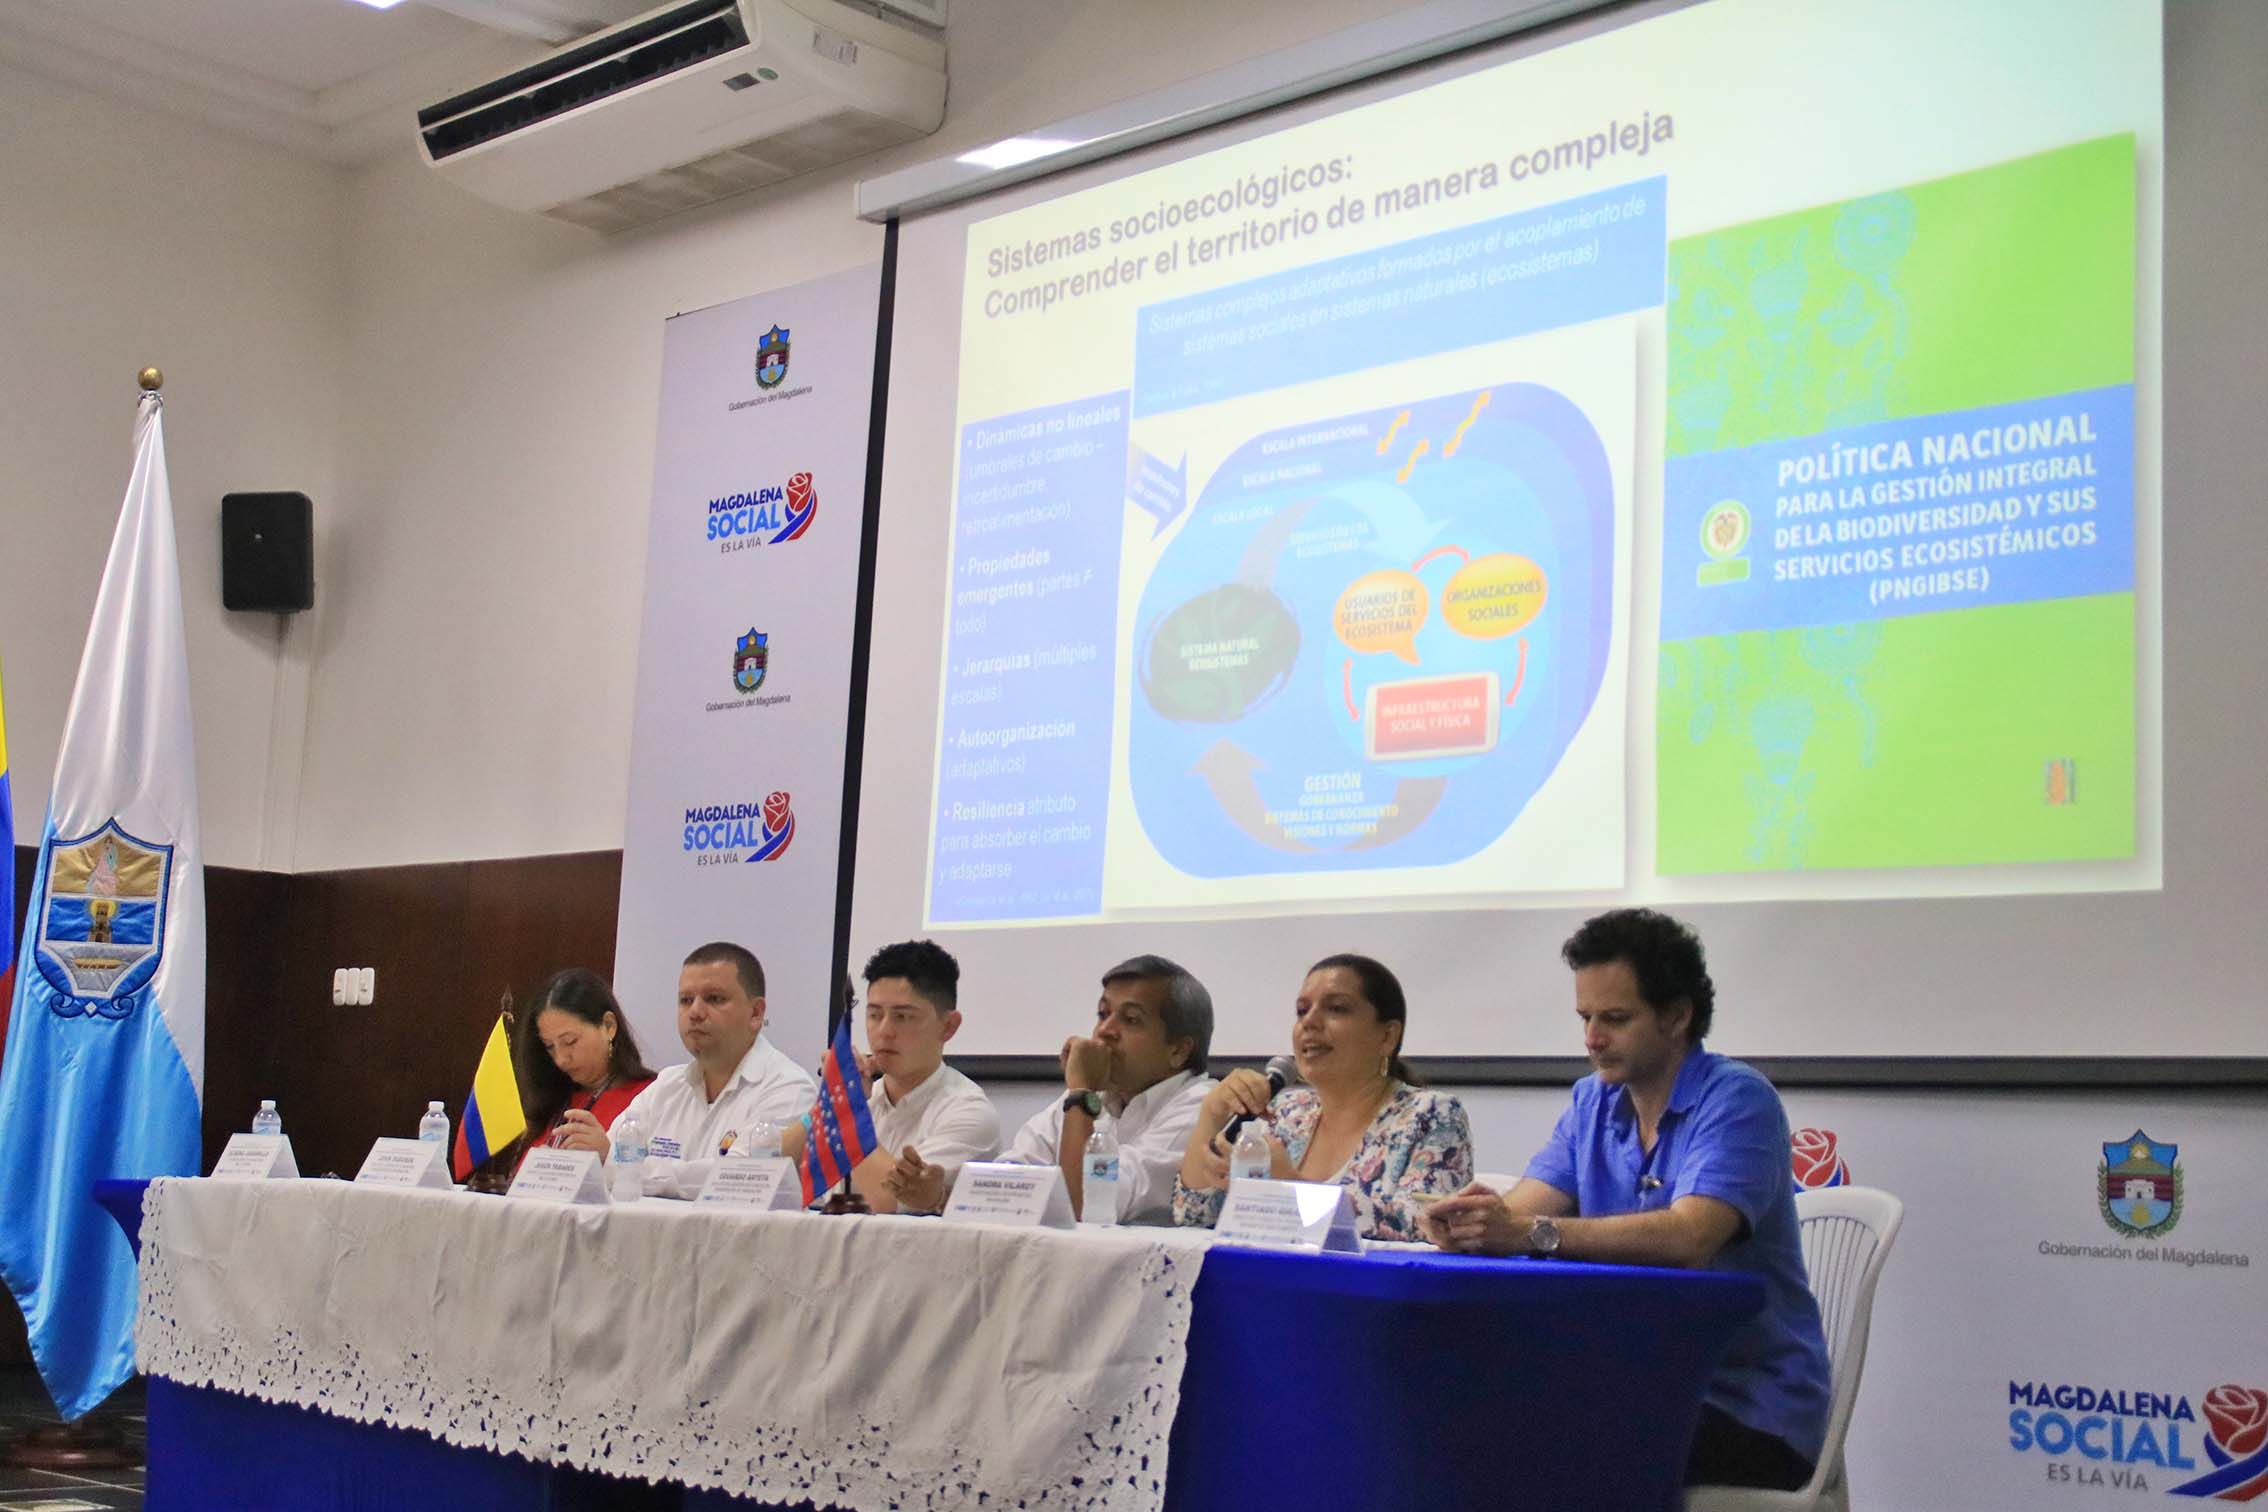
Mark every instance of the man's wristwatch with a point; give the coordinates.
(1091, 1101)
(1543, 1235)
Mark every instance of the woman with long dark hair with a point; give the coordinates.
(1361, 1121)
(575, 1050)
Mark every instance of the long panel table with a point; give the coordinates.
(1389, 1380)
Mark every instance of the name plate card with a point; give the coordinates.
(1011, 1196)
(559, 1176)
(256, 1157)
(765, 1184)
(1315, 1216)
(405, 1163)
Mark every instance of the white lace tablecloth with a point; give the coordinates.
(882, 1364)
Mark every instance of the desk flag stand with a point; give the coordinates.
(842, 1199)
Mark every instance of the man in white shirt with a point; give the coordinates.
(1145, 1063)
(694, 1113)
(929, 1119)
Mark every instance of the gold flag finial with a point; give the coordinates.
(152, 380)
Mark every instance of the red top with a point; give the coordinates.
(605, 1106)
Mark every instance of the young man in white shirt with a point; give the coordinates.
(693, 1114)
(1145, 1065)
(929, 1119)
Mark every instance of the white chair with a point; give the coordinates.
(1847, 1233)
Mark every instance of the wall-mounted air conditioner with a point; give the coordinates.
(687, 104)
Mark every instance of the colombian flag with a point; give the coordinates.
(493, 1115)
(838, 1132)
(7, 879)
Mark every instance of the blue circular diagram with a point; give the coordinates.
(1374, 637)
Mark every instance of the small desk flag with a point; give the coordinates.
(838, 1132)
(493, 1114)
(105, 1060)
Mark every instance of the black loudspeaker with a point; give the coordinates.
(267, 552)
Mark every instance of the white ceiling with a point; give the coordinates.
(330, 79)
(306, 44)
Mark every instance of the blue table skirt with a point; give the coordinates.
(1392, 1380)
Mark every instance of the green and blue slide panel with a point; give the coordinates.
(1898, 554)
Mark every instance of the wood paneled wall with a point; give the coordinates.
(447, 940)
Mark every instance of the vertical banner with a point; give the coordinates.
(2069, 1319)
(744, 653)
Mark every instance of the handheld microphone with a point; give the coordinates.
(1282, 1072)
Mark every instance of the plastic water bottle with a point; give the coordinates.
(433, 1128)
(267, 1120)
(1251, 1156)
(626, 1182)
(1099, 1184)
(762, 1143)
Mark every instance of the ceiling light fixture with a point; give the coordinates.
(1010, 152)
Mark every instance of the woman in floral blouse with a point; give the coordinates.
(1358, 1121)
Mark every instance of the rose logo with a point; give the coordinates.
(1816, 1161)
(802, 506)
(779, 829)
(2238, 1416)
(2236, 1420)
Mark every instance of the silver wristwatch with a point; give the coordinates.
(1543, 1235)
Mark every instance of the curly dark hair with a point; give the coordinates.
(1663, 954)
(927, 968)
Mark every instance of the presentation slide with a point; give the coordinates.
(1897, 606)
(1679, 465)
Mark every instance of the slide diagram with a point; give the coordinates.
(1586, 491)
(1374, 635)
(1898, 560)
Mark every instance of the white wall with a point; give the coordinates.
(469, 397)
(479, 627)
(127, 239)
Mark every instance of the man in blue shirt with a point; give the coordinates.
(1670, 1155)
